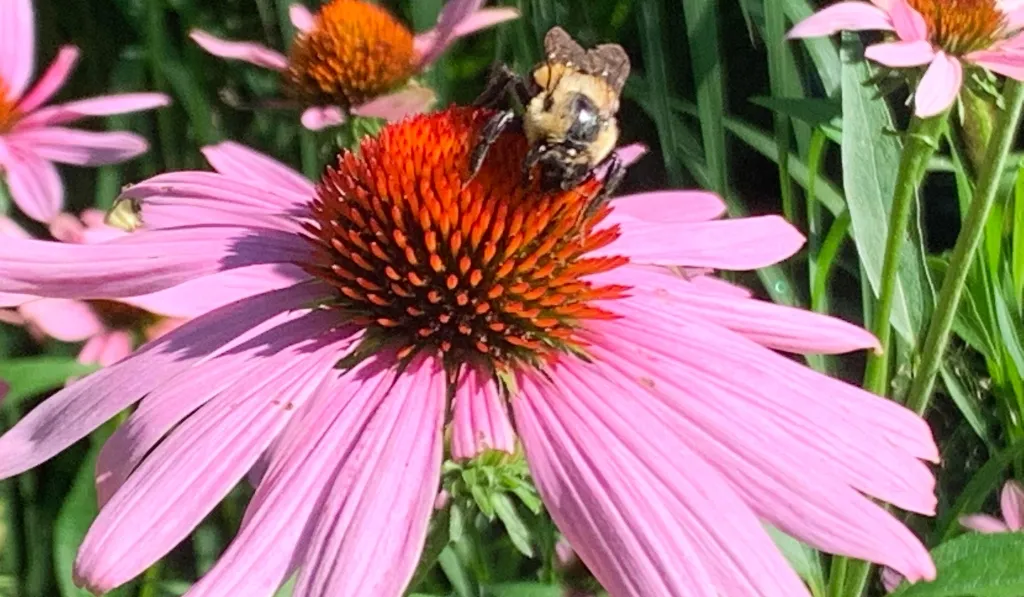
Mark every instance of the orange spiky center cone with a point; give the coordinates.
(488, 267)
(354, 52)
(962, 26)
(8, 108)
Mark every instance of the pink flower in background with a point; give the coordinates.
(947, 36)
(354, 56)
(33, 136)
(1011, 502)
(659, 453)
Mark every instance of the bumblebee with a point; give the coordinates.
(569, 104)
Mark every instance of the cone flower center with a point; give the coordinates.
(354, 52)
(8, 108)
(962, 26)
(487, 268)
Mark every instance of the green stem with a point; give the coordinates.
(922, 139)
(967, 243)
(151, 581)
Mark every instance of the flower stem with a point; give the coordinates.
(922, 140)
(966, 246)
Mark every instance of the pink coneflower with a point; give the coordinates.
(33, 136)
(354, 56)
(659, 425)
(1011, 502)
(946, 35)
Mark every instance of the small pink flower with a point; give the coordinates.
(1011, 502)
(354, 56)
(33, 136)
(660, 427)
(945, 36)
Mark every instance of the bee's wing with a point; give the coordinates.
(610, 62)
(561, 48)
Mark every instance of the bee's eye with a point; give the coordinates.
(586, 121)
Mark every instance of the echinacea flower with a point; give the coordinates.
(657, 421)
(1011, 503)
(947, 36)
(353, 56)
(33, 136)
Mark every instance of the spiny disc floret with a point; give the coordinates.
(962, 26)
(484, 268)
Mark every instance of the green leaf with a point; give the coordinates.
(518, 531)
(32, 376)
(975, 565)
(813, 111)
(524, 589)
(804, 559)
(966, 401)
(821, 49)
(870, 160)
(706, 62)
(981, 485)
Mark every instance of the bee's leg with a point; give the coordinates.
(488, 135)
(616, 171)
(502, 82)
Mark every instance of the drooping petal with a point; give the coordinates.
(736, 244)
(1007, 63)
(907, 22)
(17, 45)
(77, 410)
(479, 418)
(770, 445)
(775, 326)
(317, 118)
(106, 105)
(644, 523)
(239, 162)
(77, 147)
(939, 86)
(63, 319)
(983, 523)
(300, 17)
(899, 54)
(139, 263)
(271, 538)
(427, 42)
(251, 52)
(843, 16)
(34, 182)
(1011, 502)
(51, 81)
(412, 99)
(188, 474)
(371, 524)
(438, 39)
(667, 206)
(106, 348)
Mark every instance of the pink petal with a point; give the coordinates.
(67, 228)
(775, 326)
(427, 43)
(630, 154)
(17, 46)
(34, 182)
(106, 105)
(185, 477)
(318, 118)
(77, 410)
(1012, 505)
(667, 206)
(273, 534)
(645, 523)
(63, 319)
(842, 16)
(939, 86)
(908, 23)
(77, 147)
(301, 18)
(984, 523)
(163, 409)
(479, 417)
(370, 526)
(725, 406)
(1007, 63)
(198, 296)
(106, 348)
(899, 54)
(242, 163)
(250, 52)
(1014, 15)
(51, 81)
(10, 229)
(712, 285)
(139, 263)
(736, 244)
(413, 99)
(433, 43)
